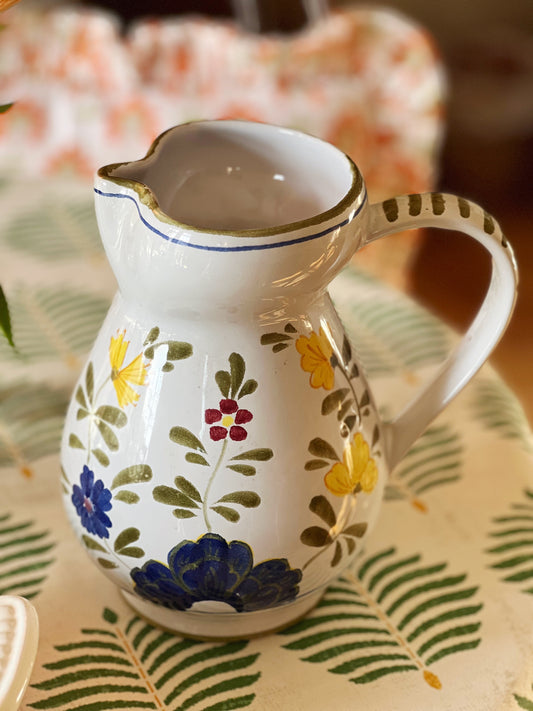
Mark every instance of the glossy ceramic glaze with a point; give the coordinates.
(223, 458)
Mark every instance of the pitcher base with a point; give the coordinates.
(208, 626)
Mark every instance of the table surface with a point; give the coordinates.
(435, 613)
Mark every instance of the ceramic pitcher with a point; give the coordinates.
(223, 458)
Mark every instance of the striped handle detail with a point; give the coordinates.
(454, 213)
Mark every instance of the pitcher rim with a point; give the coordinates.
(147, 196)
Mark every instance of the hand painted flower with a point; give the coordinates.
(316, 352)
(213, 569)
(356, 472)
(91, 500)
(122, 378)
(231, 419)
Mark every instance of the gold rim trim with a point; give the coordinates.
(148, 198)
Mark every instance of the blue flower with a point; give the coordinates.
(91, 499)
(213, 569)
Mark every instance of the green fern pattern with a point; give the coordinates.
(391, 336)
(498, 409)
(54, 323)
(434, 460)
(25, 555)
(31, 420)
(514, 548)
(56, 230)
(395, 614)
(135, 665)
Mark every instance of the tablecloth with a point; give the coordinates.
(437, 611)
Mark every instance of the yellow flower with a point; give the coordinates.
(356, 472)
(134, 373)
(316, 352)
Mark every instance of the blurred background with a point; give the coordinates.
(421, 94)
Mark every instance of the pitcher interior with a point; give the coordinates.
(233, 176)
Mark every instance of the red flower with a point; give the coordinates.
(231, 417)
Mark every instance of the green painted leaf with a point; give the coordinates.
(112, 415)
(321, 507)
(245, 469)
(185, 438)
(178, 350)
(249, 387)
(75, 442)
(167, 368)
(195, 458)
(279, 347)
(313, 464)
(268, 339)
(391, 614)
(132, 552)
(289, 328)
(357, 530)
(320, 448)
(109, 437)
(183, 513)
(136, 474)
(223, 380)
(128, 497)
(523, 702)
(132, 664)
(152, 336)
(127, 536)
(226, 512)
(337, 555)
(82, 414)
(258, 455)
(5, 107)
(172, 497)
(149, 352)
(316, 537)
(237, 370)
(346, 351)
(101, 456)
(248, 499)
(187, 488)
(346, 406)
(107, 564)
(80, 397)
(499, 410)
(5, 319)
(334, 400)
(89, 381)
(93, 544)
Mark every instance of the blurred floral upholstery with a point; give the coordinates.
(367, 80)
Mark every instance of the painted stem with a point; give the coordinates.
(314, 557)
(356, 401)
(210, 484)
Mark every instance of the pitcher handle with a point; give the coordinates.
(453, 213)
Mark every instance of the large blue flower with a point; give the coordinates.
(213, 569)
(92, 500)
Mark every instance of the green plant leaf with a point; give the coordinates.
(245, 469)
(279, 347)
(227, 513)
(101, 456)
(334, 400)
(127, 536)
(337, 555)
(167, 368)
(237, 370)
(357, 530)
(132, 552)
(313, 464)
(195, 458)
(223, 380)
(179, 350)
(149, 352)
(127, 497)
(5, 107)
(268, 339)
(80, 397)
(316, 537)
(136, 474)
(346, 351)
(249, 387)
(258, 455)
(185, 438)
(81, 414)
(112, 415)
(107, 564)
(248, 499)
(75, 442)
(5, 317)
(320, 448)
(172, 497)
(89, 381)
(187, 488)
(289, 328)
(321, 507)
